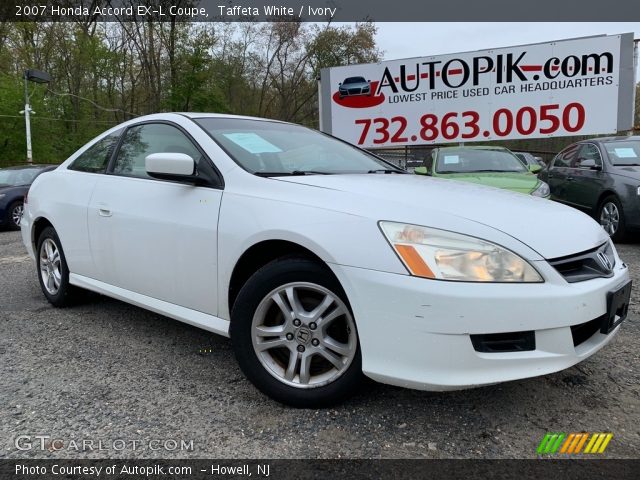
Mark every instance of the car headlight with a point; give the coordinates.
(2, 195)
(542, 190)
(439, 254)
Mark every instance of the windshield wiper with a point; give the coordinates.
(626, 164)
(293, 173)
(385, 170)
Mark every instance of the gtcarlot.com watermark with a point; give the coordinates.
(52, 444)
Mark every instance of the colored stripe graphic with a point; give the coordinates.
(581, 443)
(592, 440)
(543, 443)
(606, 442)
(550, 443)
(572, 443)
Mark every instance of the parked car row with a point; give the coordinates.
(599, 176)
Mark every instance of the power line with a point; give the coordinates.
(92, 102)
(61, 119)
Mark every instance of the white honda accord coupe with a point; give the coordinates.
(322, 262)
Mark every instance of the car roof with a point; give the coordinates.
(477, 147)
(619, 138)
(195, 115)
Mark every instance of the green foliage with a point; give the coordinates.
(106, 73)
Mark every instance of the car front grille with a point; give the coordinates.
(355, 91)
(595, 263)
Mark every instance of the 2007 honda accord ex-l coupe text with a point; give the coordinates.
(322, 262)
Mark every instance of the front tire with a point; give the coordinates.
(611, 218)
(53, 272)
(294, 335)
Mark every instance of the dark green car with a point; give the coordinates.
(491, 166)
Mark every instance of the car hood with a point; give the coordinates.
(517, 182)
(551, 229)
(628, 171)
(7, 188)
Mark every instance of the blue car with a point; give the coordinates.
(14, 185)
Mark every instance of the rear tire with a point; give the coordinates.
(14, 215)
(53, 272)
(294, 335)
(611, 217)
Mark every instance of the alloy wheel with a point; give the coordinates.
(610, 218)
(304, 335)
(50, 266)
(16, 214)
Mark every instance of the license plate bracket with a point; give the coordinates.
(617, 308)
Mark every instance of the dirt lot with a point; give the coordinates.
(112, 372)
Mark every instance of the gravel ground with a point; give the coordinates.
(108, 371)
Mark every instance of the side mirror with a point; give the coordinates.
(590, 164)
(421, 171)
(535, 168)
(339, 83)
(177, 167)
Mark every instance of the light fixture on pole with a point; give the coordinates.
(38, 77)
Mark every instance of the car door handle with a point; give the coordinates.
(549, 175)
(103, 212)
(569, 178)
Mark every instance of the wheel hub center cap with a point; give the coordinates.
(303, 335)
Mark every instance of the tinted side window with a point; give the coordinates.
(146, 139)
(566, 157)
(590, 152)
(96, 158)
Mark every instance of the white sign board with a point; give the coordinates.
(583, 86)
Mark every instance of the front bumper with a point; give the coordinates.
(416, 332)
(25, 232)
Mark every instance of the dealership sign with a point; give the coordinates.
(582, 86)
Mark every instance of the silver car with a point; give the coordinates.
(354, 86)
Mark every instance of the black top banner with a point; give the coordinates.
(320, 10)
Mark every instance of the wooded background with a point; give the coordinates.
(105, 73)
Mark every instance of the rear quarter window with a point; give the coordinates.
(96, 158)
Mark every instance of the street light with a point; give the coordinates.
(35, 76)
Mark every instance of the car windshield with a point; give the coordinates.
(18, 176)
(466, 160)
(272, 148)
(355, 80)
(624, 153)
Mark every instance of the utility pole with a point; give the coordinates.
(38, 77)
(27, 121)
